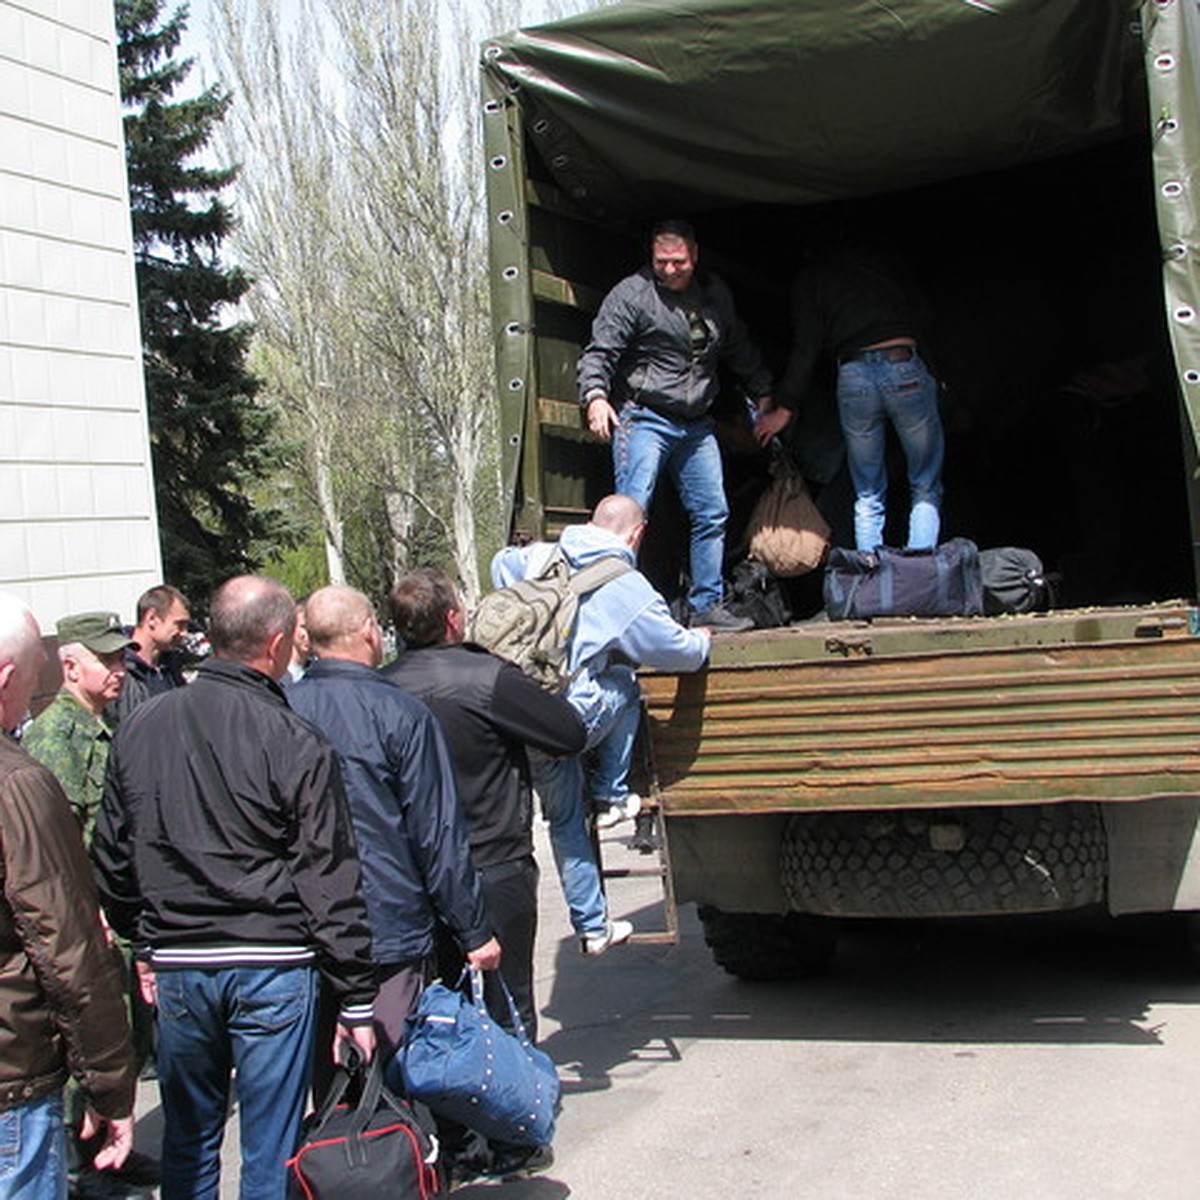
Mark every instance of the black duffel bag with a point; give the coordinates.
(1014, 581)
(380, 1146)
(942, 582)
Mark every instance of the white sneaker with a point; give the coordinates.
(615, 934)
(616, 813)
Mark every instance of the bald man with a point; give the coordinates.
(224, 845)
(400, 784)
(62, 1010)
(625, 621)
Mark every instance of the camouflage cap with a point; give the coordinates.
(101, 632)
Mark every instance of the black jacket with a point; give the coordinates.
(490, 711)
(142, 681)
(400, 785)
(258, 869)
(642, 349)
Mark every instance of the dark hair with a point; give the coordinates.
(159, 599)
(420, 602)
(673, 227)
(245, 613)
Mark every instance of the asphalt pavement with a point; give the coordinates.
(1042, 1059)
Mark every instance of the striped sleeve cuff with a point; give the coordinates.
(357, 1014)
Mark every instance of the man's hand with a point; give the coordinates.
(487, 957)
(361, 1037)
(602, 418)
(771, 421)
(118, 1138)
(147, 984)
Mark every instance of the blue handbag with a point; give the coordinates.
(465, 1066)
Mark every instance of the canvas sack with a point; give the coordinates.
(787, 533)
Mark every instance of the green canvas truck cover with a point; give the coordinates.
(699, 104)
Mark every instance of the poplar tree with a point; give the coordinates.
(212, 443)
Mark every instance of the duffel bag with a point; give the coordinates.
(942, 582)
(1014, 581)
(377, 1147)
(465, 1066)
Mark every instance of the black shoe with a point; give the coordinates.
(644, 840)
(138, 1171)
(521, 1163)
(90, 1184)
(464, 1169)
(720, 620)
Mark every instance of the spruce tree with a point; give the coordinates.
(212, 443)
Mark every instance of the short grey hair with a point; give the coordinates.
(18, 629)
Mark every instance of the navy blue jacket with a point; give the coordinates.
(412, 838)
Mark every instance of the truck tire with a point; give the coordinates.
(761, 947)
(930, 863)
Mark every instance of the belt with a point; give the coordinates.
(883, 354)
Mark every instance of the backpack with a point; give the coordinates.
(530, 622)
(755, 593)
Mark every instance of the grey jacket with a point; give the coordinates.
(642, 349)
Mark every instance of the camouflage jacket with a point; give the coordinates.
(74, 744)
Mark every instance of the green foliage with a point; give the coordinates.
(212, 442)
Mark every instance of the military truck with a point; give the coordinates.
(1034, 160)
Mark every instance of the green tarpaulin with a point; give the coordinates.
(806, 100)
(641, 107)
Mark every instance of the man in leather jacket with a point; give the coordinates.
(62, 1009)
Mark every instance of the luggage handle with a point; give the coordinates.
(373, 1090)
(473, 976)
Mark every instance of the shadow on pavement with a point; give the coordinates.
(1065, 980)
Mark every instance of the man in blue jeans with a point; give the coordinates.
(851, 303)
(224, 848)
(623, 622)
(62, 1010)
(647, 380)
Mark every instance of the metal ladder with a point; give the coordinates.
(650, 832)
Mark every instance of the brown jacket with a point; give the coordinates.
(61, 1003)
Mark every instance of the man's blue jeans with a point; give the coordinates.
(645, 442)
(871, 391)
(610, 705)
(259, 1020)
(33, 1151)
(559, 784)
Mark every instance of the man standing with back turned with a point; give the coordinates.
(647, 380)
(61, 1005)
(224, 846)
(400, 786)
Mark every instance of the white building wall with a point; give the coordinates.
(77, 522)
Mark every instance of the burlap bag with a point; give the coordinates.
(787, 533)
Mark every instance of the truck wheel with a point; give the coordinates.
(760, 947)
(931, 863)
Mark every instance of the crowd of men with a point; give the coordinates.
(273, 854)
(287, 848)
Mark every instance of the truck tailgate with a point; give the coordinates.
(1095, 704)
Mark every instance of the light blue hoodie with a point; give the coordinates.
(625, 615)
